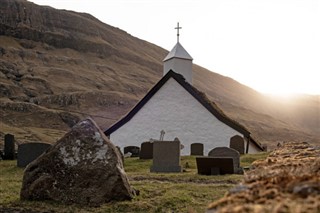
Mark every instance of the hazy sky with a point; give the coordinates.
(272, 46)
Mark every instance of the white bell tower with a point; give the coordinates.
(179, 61)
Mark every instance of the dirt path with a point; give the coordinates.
(185, 180)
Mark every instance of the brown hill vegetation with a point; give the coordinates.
(287, 181)
(58, 66)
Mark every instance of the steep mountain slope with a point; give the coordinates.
(57, 67)
(270, 118)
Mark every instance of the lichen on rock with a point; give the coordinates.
(83, 167)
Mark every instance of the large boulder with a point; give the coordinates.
(83, 167)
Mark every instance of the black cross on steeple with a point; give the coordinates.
(177, 28)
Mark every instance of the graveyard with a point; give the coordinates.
(186, 191)
(82, 113)
(85, 172)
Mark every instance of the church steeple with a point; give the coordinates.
(179, 60)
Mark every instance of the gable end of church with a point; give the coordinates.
(198, 95)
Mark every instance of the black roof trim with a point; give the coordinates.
(200, 96)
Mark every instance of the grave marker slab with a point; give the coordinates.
(28, 152)
(196, 149)
(166, 156)
(237, 143)
(214, 165)
(134, 150)
(225, 152)
(146, 151)
(9, 149)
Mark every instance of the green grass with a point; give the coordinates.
(159, 192)
(247, 160)
(10, 181)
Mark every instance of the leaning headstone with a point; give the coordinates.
(146, 151)
(83, 167)
(134, 150)
(237, 143)
(166, 156)
(28, 152)
(9, 149)
(214, 165)
(225, 152)
(196, 149)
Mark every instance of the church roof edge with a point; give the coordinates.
(198, 95)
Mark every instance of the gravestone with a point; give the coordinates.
(134, 150)
(1, 155)
(146, 151)
(225, 152)
(83, 167)
(214, 165)
(237, 143)
(166, 156)
(28, 152)
(196, 149)
(9, 149)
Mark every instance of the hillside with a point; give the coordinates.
(58, 66)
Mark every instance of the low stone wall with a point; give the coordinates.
(287, 181)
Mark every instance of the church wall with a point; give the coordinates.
(181, 66)
(175, 111)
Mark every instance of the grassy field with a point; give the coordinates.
(159, 192)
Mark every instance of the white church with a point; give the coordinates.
(175, 106)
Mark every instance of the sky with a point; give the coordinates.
(272, 46)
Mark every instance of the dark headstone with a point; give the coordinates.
(166, 156)
(9, 149)
(1, 155)
(28, 152)
(215, 171)
(83, 167)
(214, 166)
(237, 143)
(226, 152)
(196, 149)
(134, 150)
(146, 151)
